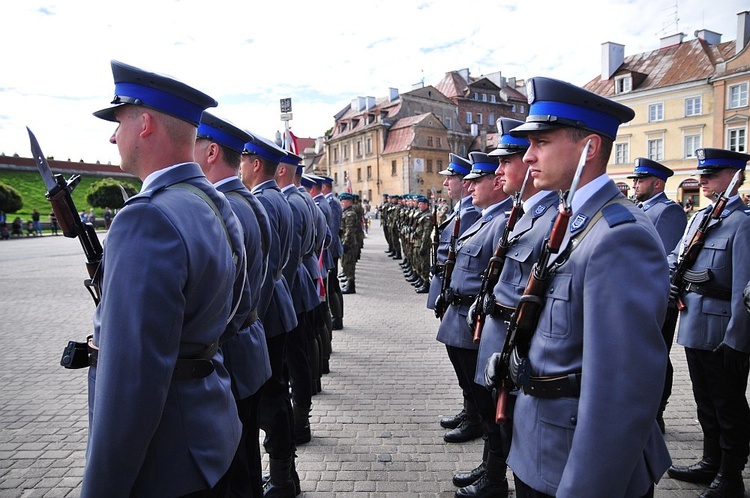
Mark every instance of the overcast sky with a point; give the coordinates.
(55, 56)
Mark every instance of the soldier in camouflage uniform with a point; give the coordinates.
(357, 207)
(349, 227)
(423, 243)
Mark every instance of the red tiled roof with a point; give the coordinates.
(453, 86)
(693, 60)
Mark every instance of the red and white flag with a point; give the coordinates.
(289, 142)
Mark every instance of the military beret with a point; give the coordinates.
(346, 196)
(165, 94)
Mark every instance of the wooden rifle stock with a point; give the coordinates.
(492, 273)
(525, 318)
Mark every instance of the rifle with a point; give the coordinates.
(450, 262)
(59, 195)
(435, 235)
(492, 273)
(682, 273)
(524, 319)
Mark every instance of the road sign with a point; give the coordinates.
(286, 116)
(286, 105)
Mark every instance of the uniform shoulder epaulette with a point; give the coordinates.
(617, 214)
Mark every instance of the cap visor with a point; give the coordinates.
(108, 114)
(448, 172)
(526, 128)
(505, 152)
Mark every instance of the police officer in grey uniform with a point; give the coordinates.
(649, 178)
(159, 395)
(584, 422)
(715, 329)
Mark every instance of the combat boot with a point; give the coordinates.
(702, 472)
(492, 484)
(302, 432)
(348, 287)
(454, 421)
(423, 289)
(280, 483)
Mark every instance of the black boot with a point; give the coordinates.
(348, 287)
(454, 421)
(280, 483)
(728, 482)
(423, 289)
(337, 323)
(702, 472)
(492, 484)
(466, 431)
(302, 432)
(463, 479)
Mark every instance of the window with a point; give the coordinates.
(491, 122)
(429, 141)
(622, 153)
(484, 97)
(394, 169)
(737, 96)
(345, 151)
(439, 141)
(479, 118)
(623, 84)
(692, 106)
(656, 149)
(448, 123)
(429, 166)
(523, 109)
(359, 174)
(737, 139)
(369, 172)
(336, 154)
(493, 98)
(440, 165)
(513, 108)
(335, 177)
(655, 112)
(468, 118)
(476, 96)
(691, 144)
(359, 148)
(368, 146)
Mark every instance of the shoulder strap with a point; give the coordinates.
(235, 251)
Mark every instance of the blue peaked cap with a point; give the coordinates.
(646, 167)
(458, 166)
(165, 94)
(264, 148)
(222, 132)
(508, 144)
(554, 104)
(481, 165)
(710, 158)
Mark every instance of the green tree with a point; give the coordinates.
(10, 200)
(107, 193)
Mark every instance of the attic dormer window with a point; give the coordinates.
(623, 84)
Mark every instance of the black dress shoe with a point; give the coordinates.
(466, 431)
(454, 421)
(728, 485)
(484, 488)
(423, 289)
(463, 479)
(702, 472)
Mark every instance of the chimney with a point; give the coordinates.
(369, 103)
(671, 40)
(743, 31)
(392, 94)
(319, 145)
(711, 37)
(613, 55)
(358, 104)
(512, 82)
(464, 73)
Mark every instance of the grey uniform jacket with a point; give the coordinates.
(167, 290)
(669, 219)
(469, 215)
(706, 322)
(303, 238)
(276, 307)
(325, 207)
(473, 250)
(246, 354)
(526, 242)
(337, 248)
(602, 317)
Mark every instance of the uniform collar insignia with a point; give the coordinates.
(725, 213)
(578, 223)
(539, 210)
(488, 217)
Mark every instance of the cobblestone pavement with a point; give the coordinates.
(375, 430)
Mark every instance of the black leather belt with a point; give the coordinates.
(502, 312)
(709, 291)
(196, 366)
(251, 319)
(559, 386)
(459, 300)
